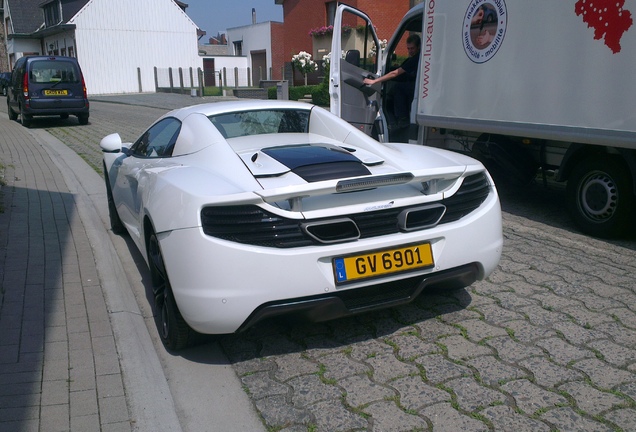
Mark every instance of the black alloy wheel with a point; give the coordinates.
(116, 225)
(175, 333)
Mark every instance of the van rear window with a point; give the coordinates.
(52, 71)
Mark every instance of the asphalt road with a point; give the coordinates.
(548, 342)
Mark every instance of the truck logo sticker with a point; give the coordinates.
(484, 29)
(608, 19)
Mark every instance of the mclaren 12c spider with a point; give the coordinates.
(251, 209)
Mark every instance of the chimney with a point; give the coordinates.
(253, 16)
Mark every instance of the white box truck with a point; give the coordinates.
(525, 86)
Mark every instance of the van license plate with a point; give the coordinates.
(383, 262)
(55, 92)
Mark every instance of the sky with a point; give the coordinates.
(215, 16)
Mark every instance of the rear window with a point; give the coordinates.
(53, 71)
(257, 122)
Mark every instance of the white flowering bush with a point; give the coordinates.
(327, 58)
(303, 63)
(383, 43)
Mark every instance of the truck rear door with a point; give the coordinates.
(355, 55)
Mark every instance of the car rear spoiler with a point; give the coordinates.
(430, 181)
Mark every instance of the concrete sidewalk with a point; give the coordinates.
(75, 353)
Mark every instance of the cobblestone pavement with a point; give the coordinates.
(547, 342)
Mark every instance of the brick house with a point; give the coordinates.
(301, 16)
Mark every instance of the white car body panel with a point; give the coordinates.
(240, 278)
(218, 284)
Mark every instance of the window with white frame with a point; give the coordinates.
(52, 13)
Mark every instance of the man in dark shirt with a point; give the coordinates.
(405, 81)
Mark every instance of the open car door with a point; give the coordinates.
(355, 55)
(371, 108)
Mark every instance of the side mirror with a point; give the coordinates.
(111, 143)
(353, 57)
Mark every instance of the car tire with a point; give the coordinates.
(25, 119)
(83, 119)
(12, 114)
(157, 270)
(599, 196)
(175, 333)
(116, 225)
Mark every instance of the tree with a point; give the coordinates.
(303, 63)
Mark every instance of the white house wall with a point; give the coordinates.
(228, 64)
(23, 46)
(64, 43)
(116, 37)
(255, 37)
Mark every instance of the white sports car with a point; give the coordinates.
(247, 210)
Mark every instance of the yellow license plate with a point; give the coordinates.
(55, 92)
(383, 262)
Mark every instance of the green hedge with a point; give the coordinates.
(319, 93)
(212, 91)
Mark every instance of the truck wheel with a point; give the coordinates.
(506, 160)
(599, 196)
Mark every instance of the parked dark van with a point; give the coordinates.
(5, 77)
(47, 86)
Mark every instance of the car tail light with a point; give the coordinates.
(84, 88)
(250, 224)
(25, 87)
(84, 85)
